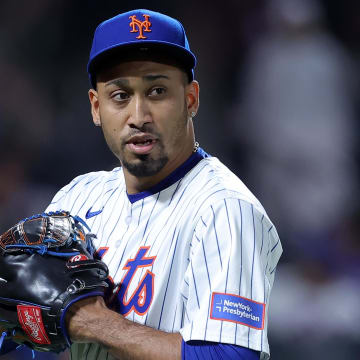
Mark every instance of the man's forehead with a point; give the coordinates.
(126, 81)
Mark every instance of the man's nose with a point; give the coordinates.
(139, 112)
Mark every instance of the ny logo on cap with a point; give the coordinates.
(141, 25)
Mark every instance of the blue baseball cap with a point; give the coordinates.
(140, 32)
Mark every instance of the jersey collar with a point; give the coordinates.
(172, 178)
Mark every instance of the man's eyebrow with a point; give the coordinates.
(155, 77)
(118, 82)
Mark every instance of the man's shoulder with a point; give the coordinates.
(102, 176)
(213, 179)
(87, 184)
(218, 189)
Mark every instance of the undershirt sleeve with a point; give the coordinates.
(7, 346)
(204, 350)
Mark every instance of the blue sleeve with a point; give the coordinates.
(204, 350)
(8, 346)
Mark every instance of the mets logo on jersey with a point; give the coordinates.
(140, 27)
(141, 298)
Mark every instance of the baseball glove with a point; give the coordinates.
(46, 264)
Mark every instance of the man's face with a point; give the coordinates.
(143, 108)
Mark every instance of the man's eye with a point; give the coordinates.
(157, 91)
(120, 96)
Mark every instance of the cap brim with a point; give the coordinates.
(149, 50)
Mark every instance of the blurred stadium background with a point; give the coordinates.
(279, 105)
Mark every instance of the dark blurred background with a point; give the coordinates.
(279, 105)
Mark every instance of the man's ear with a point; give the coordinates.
(95, 108)
(192, 98)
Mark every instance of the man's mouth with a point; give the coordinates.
(141, 144)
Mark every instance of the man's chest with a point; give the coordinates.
(147, 255)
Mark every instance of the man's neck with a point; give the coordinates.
(136, 184)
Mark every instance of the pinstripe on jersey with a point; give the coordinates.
(208, 233)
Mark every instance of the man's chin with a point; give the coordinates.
(144, 165)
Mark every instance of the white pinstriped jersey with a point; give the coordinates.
(195, 255)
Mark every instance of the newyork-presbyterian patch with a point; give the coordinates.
(235, 308)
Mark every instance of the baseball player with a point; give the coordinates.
(191, 252)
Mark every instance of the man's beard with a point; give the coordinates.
(146, 167)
